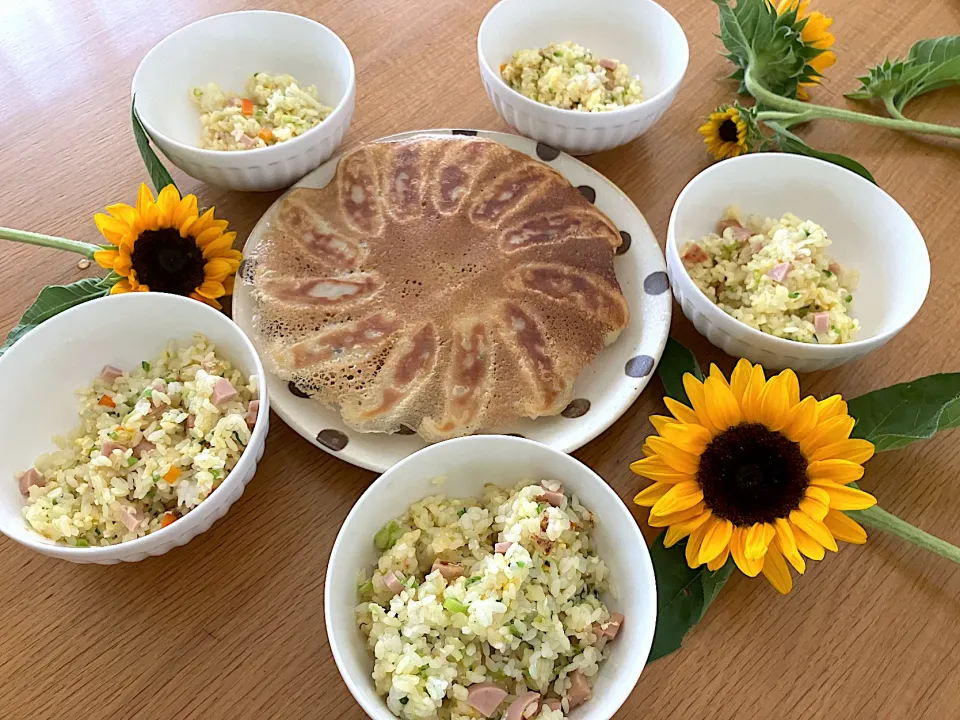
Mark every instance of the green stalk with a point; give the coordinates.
(778, 102)
(30, 238)
(877, 517)
(893, 109)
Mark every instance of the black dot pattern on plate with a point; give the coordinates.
(468, 133)
(296, 391)
(656, 283)
(588, 192)
(404, 430)
(333, 439)
(639, 366)
(578, 407)
(625, 242)
(245, 271)
(545, 152)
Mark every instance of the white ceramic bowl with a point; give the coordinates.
(41, 372)
(639, 33)
(227, 49)
(870, 233)
(469, 463)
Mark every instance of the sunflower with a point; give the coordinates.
(753, 471)
(814, 35)
(726, 133)
(168, 246)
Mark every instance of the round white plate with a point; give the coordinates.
(603, 391)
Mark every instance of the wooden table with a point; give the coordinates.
(232, 625)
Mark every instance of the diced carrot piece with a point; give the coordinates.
(106, 401)
(168, 519)
(172, 474)
(503, 66)
(246, 106)
(266, 134)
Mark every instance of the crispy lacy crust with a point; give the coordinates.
(448, 284)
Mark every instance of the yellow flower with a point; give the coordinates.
(815, 35)
(166, 245)
(725, 133)
(753, 471)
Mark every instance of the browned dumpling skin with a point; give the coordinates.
(446, 284)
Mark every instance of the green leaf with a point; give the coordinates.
(896, 416)
(930, 65)
(683, 595)
(677, 360)
(158, 173)
(52, 300)
(793, 144)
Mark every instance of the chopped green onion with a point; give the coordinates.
(828, 273)
(455, 606)
(404, 700)
(388, 535)
(521, 564)
(557, 53)
(515, 632)
(849, 298)
(148, 393)
(541, 507)
(83, 542)
(410, 582)
(112, 435)
(471, 580)
(215, 473)
(461, 512)
(131, 461)
(794, 295)
(53, 502)
(145, 365)
(366, 588)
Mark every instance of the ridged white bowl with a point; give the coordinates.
(870, 232)
(639, 33)
(41, 373)
(468, 464)
(227, 49)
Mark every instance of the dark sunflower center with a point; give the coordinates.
(750, 474)
(166, 262)
(728, 131)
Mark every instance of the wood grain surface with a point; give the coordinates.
(231, 626)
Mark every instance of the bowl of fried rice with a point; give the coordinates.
(490, 576)
(132, 423)
(791, 261)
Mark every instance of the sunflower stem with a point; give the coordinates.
(59, 243)
(778, 102)
(877, 517)
(892, 108)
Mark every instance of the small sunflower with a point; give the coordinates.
(168, 246)
(814, 35)
(754, 472)
(726, 133)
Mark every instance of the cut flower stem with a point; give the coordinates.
(59, 243)
(877, 517)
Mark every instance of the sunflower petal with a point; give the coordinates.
(845, 528)
(106, 258)
(776, 571)
(167, 201)
(694, 542)
(697, 398)
(217, 246)
(806, 544)
(228, 284)
(692, 439)
(801, 420)
(211, 290)
(678, 459)
(121, 286)
(756, 541)
(831, 407)
(659, 422)
(124, 264)
(719, 561)
(144, 199)
(789, 379)
(649, 495)
(813, 509)
(111, 228)
(774, 403)
(740, 378)
(218, 269)
(655, 468)
(679, 497)
(717, 375)
(676, 533)
(750, 405)
(856, 450)
(838, 471)
(185, 211)
(843, 497)
(207, 301)
(716, 540)
(787, 544)
(826, 433)
(814, 528)
(749, 567)
(681, 412)
(819, 494)
(645, 449)
(677, 517)
(720, 403)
